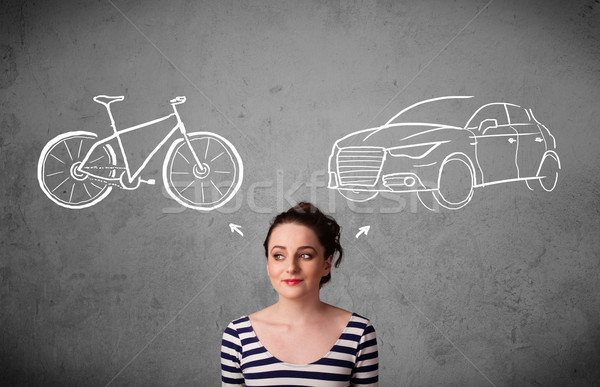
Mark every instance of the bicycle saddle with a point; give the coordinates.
(107, 100)
(178, 100)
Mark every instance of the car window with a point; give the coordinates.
(498, 130)
(493, 111)
(517, 115)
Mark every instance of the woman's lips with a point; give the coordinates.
(292, 282)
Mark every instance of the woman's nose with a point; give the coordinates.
(292, 266)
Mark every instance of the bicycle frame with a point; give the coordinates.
(179, 126)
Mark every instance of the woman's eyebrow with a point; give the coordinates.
(278, 247)
(307, 247)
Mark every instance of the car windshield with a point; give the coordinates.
(453, 111)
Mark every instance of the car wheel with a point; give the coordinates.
(357, 196)
(455, 183)
(548, 171)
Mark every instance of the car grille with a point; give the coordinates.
(360, 165)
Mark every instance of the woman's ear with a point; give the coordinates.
(327, 267)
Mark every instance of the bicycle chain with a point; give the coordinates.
(98, 167)
(106, 182)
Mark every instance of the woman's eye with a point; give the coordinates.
(306, 256)
(278, 257)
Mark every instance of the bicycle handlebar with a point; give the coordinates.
(178, 100)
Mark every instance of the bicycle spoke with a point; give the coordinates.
(216, 157)
(206, 151)
(95, 185)
(86, 190)
(79, 151)
(55, 173)
(57, 158)
(60, 184)
(222, 172)
(180, 154)
(187, 186)
(96, 160)
(72, 189)
(180, 173)
(68, 150)
(202, 189)
(217, 188)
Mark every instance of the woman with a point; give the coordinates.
(300, 340)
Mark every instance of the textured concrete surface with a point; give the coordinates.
(136, 291)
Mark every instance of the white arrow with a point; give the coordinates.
(237, 228)
(363, 230)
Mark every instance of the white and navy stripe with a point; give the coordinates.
(353, 360)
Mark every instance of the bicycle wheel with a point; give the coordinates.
(60, 177)
(208, 187)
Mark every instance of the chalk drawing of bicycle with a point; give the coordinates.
(201, 170)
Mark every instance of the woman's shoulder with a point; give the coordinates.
(342, 316)
(362, 326)
(239, 320)
(263, 315)
(239, 324)
(358, 317)
(355, 320)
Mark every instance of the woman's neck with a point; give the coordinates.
(294, 311)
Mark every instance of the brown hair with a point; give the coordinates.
(324, 226)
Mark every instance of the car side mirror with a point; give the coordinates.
(488, 123)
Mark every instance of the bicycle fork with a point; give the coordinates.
(200, 170)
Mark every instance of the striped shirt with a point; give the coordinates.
(353, 360)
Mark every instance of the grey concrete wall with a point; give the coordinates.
(136, 290)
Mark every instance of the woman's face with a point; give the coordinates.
(296, 261)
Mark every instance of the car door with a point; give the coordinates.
(531, 144)
(496, 144)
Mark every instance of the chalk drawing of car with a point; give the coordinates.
(443, 152)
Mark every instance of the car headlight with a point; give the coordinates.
(415, 151)
(333, 158)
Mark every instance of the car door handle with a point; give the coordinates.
(512, 140)
(539, 139)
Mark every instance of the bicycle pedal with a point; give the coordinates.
(149, 181)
